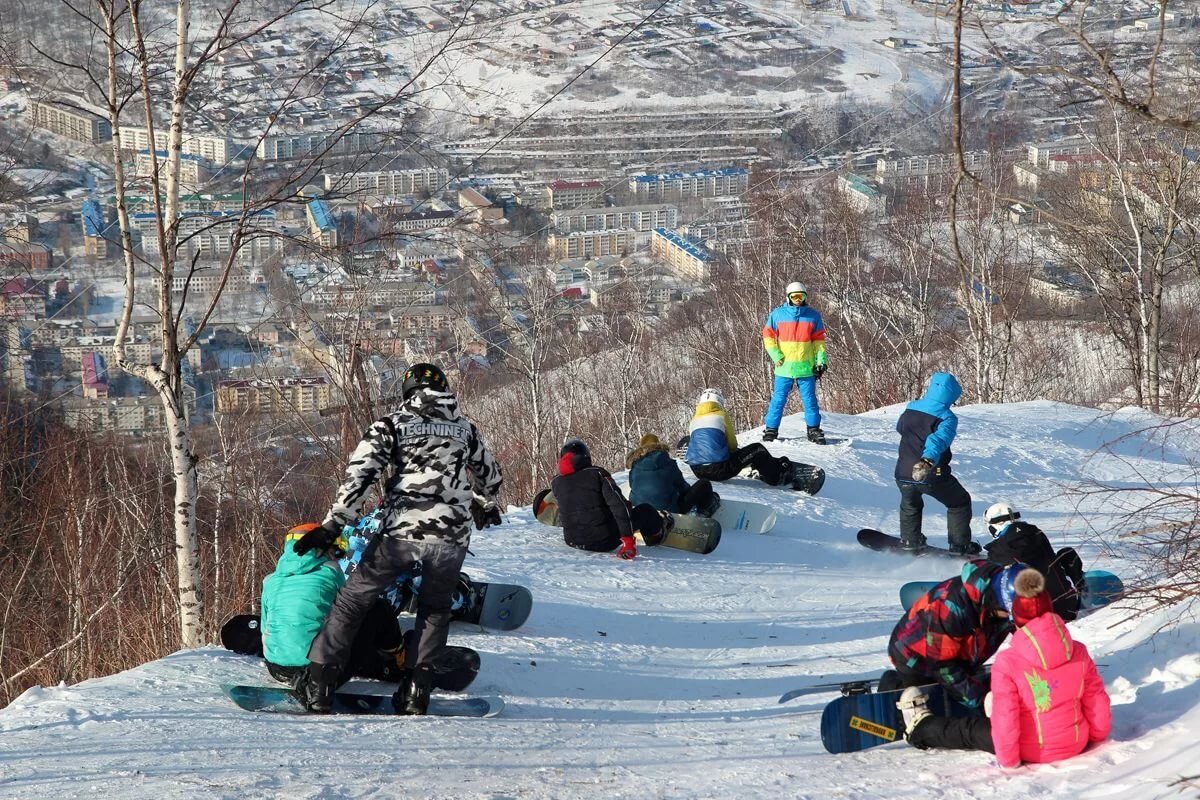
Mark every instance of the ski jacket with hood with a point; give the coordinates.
(951, 632)
(295, 599)
(437, 462)
(655, 478)
(711, 435)
(591, 508)
(927, 427)
(797, 335)
(1020, 541)
(1048, 701)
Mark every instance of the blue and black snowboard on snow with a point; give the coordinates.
(1100, 589)
(281, 700)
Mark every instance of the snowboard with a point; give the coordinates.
(690, 532)
(1100, 589)
(499, 606)
(741, 515)
(805, 477)
(886, 543)
(280, 700)
(240, 634)
(860, 721)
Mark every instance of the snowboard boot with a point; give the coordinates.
(412, 698)
(913, 545)
(965, 549)
(656, 538)
(711, 508)
(816, 435)
(770, 434)
(317, 688)
(914, 709)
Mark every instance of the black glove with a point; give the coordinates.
(321, 538)
(818, 371)
(485, 513)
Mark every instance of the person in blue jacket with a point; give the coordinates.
(713, 452)
(655, 478)
(927, 427)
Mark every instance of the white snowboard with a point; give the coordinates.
(742, 515)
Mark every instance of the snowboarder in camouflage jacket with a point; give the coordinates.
(438, 464)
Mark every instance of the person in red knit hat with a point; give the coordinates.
(1047, 701)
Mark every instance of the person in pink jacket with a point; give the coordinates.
(1047, 700)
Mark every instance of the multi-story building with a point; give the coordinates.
(274, 395)
(211, 234)
(322, 227)
(23, 298)
(390, 183)
(591, 244)
(421, 319)
(95, 376)
(420, 220)
(860, 195)
(927, 172)
(29, 256)
(215, 149)
(130, 416)
(572, 194)
(69, 121)
(281, 147)
(193, 170)
(670, 186)
(1040, 153)
(686, 259)
(643, 219)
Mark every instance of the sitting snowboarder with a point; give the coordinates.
(654, 478)
(713, 452)
(1047, 700)
(1014, 540)
(595, 516)
(949, 634)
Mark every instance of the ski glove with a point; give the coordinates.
(922, 470)
(628, 548)
(485, 513)
(818, 371)
(321, 538)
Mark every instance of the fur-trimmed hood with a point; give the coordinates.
(643, 451)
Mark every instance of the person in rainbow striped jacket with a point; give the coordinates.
(794, 338)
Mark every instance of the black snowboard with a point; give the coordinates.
(806, 477)
(886, 543)
(280, 700)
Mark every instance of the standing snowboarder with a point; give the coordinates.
(713, 452)
(794, 338)
(926, 428)
(438, 462)
(1014, 540)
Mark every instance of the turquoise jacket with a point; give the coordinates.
(295, 599)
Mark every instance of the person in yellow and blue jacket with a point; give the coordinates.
(713, 452)
(794, 338)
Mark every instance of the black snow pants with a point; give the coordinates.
(958, 733)
(769, 468)
(698, 496)
(950, 493)
(385, 558)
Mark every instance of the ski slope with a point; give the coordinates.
(658, 678)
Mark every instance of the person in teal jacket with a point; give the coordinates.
(295, 599)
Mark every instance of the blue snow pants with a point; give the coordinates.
(779, 398)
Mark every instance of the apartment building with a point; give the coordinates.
(322, 227)
(643, 219)
(670, 186)
(193, 170)
(572, 194)
(592, 244)
(274, 395)
(685, 258)
(129, 416)
(215, 149)
(281, 147)
(69, 121)
(861, 196)
(390, 183)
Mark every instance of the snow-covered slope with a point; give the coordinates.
(659, 677)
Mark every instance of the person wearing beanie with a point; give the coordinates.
(713, 452)
(1014, 539)
(794, 338)
(595, 516)
(1047, 700)
(948, 635)
(655, 478)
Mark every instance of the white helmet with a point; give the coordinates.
(998, 516)
(796, 286)
(712, 396)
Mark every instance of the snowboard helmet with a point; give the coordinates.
(574, 446)
(340, 546)
(998, 516)
(796, 287)
(420, 376)
(712, 396)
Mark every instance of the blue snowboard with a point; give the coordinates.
(280, 700)
(860, 721)
(1101, 589)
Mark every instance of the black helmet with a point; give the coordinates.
(419, 376)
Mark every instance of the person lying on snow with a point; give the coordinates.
(595, 516)
(655, 478)
(1047, 700)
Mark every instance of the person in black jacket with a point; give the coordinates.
(655, 478)
(594, 514)
(1014, 540)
